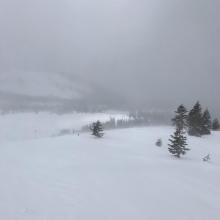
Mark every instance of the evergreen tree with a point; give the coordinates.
(97, 129)
(195, 121)
(215, 125)
(206, 123)
(178, 144)
(180, 120)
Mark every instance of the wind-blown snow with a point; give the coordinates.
(122, 176)
(22, 126)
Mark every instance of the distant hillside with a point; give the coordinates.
(40, 84)
(40, 91)
(62, 92)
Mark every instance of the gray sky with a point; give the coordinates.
(151, 51)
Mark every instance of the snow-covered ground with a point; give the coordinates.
(122, 176)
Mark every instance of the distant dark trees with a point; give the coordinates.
(134, 120)
(117, 124)
(215, 125)
(97, 129)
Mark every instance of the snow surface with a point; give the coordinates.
(122, 176)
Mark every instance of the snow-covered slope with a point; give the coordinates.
(122, 176)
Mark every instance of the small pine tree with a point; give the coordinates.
(178, 144)
(159, 143)
(97, 129)
(195, 121)
(180, 119)
(215, 125)
(206, 123)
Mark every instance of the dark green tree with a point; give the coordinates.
(195, 121)
(215, 125)
(178, 144)
(97, 129)
(180, 119)
(206, 123)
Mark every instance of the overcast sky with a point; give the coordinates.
(147, 50)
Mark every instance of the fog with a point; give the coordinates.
(151, 52)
